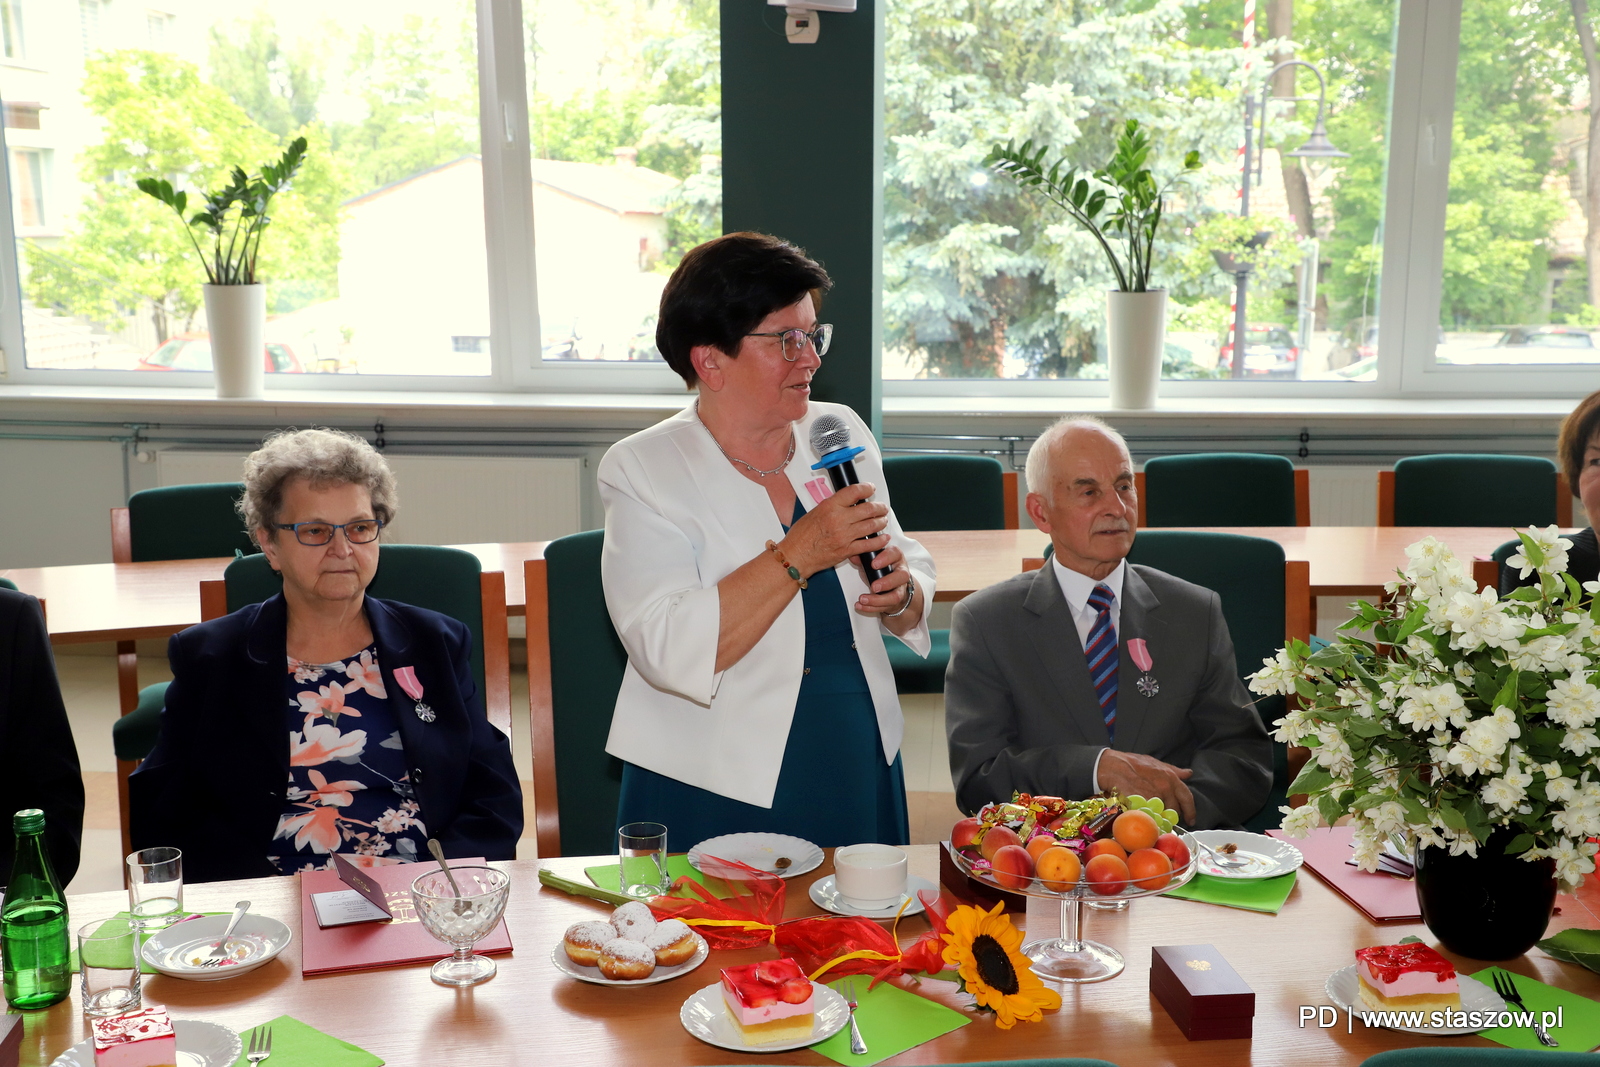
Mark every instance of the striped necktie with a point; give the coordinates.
(1101, 649)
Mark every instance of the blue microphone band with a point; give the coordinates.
(836, 457)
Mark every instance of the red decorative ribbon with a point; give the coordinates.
(1139, 652)
(407, 677)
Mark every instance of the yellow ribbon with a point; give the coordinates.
(743, 924)
(867, 953)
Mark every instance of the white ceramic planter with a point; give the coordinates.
(236, 315)
(1136, 334)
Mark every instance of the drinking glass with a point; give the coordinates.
(108, 959)
(642, 857)
(461, 921)
(155, 886)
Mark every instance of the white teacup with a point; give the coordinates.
(870, 877)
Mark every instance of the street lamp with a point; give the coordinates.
(1317, 146)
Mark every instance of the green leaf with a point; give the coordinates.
(1451, 817)
(1313, 778)
(1412, 939)
(1507, 696)
(1520, 844)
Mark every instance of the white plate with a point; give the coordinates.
(825, 895)
(564, 963)
(1343, 990)
(761, 851)
(200, 1044)
(705, 1015)
(256, 940)
(1268, 857)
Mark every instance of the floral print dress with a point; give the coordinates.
(349, 788)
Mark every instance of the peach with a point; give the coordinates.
(1176, 851)
(964, 833)
(997, 838)
(1013, 867)
(1107, 875)
(1134, 830)
(1058, 868)
(1105, 847)
(1150, 868)
(1039, 843)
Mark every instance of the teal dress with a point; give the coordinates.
(834, 787)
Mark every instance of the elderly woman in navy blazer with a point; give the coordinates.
(323, 720)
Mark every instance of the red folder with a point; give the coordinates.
(1383, 898)
(401, 940)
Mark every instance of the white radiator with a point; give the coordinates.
(1344, 496)
(444, 500)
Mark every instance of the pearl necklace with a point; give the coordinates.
(734, 459)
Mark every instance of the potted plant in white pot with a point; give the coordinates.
(1121, 202)
(235, 217)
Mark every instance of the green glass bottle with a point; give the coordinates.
(33, 922)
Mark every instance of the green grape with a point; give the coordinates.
(1135, 801)
(1166, 824)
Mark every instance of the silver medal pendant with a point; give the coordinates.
(424, 712)
(1148, 685)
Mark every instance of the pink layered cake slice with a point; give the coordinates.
(770, 1001)
(141, 1038)
(1410, 977)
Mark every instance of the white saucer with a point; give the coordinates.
(564, 963)
(706, 1016)
(1475, 996)
(256, 940)
(825, 895)
(1266, 857)
(761, 851)
(200, 1044)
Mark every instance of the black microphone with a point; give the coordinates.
(830, 439)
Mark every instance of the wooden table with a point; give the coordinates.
(532, 1013)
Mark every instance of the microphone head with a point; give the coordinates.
(829, 434)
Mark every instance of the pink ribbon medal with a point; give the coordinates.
(1139, 652)
(407, 677)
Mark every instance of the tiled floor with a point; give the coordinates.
(89, 687)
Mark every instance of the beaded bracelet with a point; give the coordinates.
(794, 572)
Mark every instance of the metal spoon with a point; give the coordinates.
(1224, 860)
(438, 854)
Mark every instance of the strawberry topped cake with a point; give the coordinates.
(769, 1001)
(1407, 977)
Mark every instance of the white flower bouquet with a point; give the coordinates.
(1471, 713)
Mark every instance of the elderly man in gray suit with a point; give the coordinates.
(1093, 674)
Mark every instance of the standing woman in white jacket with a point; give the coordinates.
(758, 695)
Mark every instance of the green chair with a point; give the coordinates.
(575, 668)
(1461, 489)
(1202, 490)
(1264, 600)
(1434, 1056)
(944, 493)
(7, 583)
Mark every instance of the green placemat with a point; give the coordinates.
(144, 968)
(891, 1021)
(294, 1044)
(610, 877)
(1579, 1029)
(1257, 894)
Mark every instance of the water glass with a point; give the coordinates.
(108, 959)
(642, 857)
(155, 886)
(461, 921)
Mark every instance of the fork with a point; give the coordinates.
(858, 1047)
(1507, 989)
(218, 951)
(260, 1045)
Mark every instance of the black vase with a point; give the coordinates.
(1492, 907)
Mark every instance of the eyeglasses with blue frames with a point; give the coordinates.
(317, 534)
(795, 341)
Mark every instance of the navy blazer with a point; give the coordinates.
(215, 784)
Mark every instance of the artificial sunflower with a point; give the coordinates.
(986, 950)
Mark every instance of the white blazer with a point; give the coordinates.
(679, 518)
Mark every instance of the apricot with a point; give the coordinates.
(1105, 847)
(964, 833)
(1039, 843)
(1107, 875)
(1134, 830)
(1013, 867)
(997, 838)
(1058, 868)
(1175, 849)
(1150, 868)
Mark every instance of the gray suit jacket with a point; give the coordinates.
(1021, 712)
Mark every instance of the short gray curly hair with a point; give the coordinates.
(323, 457)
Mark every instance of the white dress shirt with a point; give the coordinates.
(1076, 587)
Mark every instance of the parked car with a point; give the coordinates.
(192, 351)
(1269, 352)
(1545, 337)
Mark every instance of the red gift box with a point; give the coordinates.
(10, 1040)
(1203, 994)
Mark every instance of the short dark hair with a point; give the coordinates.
(724, 288)
(1577, 430)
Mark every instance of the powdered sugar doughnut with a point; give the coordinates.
(584, 941)
(672, 942)
(633, 920)
(627, 960)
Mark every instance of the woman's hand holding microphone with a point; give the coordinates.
(844, 526)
